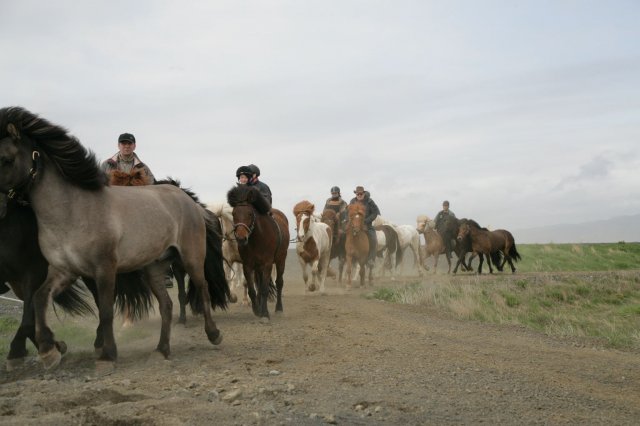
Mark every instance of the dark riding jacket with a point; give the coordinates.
(263, 188)
(339, 206)
(442, 216)
(371, 210)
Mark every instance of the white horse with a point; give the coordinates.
(408, 237)
(313, 245)
(233, 265)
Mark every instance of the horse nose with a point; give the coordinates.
(242, 241)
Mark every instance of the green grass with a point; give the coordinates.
(578, 257)
(603, 307)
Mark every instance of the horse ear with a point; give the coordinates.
(13, 131)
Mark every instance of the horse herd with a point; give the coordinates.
(61, 220)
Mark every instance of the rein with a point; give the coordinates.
(17, 194)
(241, 224)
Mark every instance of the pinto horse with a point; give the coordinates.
(90, 229)
(262, 234)
(313, 245)
(331, 218)
(357, 242)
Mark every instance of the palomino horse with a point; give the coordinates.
(230, 252)
(331, 218)
(90, 229)
(357, 242)
(262, 234)
(313, 245)
(434, 246)
(489, 243)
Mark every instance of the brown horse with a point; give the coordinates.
(357, 242)
(489, 243)
(262, 234)
(330, 217)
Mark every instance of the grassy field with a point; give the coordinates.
(584, 291)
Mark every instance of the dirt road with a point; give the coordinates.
(338, 359)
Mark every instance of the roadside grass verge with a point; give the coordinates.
(577, 257)
(602, 306)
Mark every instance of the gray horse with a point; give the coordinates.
(88, 228)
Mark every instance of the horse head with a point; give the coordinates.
(303, 211)
(247, 202)
(19, 160)
(356, 218)
(423, 223)
(463, 229)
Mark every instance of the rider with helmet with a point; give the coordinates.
(337, 204)
(244, 175)
(255, 181)
(444, 214)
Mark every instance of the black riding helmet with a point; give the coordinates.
(244, 170)
(254, 169)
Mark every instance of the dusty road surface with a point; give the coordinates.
(334, 359)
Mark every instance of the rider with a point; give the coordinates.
(338, 205)
(371, 212)
(244, 175)
(255, 181)
(126, 160)
(444, 214)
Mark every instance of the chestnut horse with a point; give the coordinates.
(357, 242)
(262, 234)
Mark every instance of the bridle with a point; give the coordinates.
(354, 229)
(249, 228)
(17, 194)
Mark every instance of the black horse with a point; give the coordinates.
(23, 266)
(448, 230)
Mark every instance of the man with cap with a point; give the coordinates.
(126, 160)
(371, 212)
(444, 214)
(255, 181)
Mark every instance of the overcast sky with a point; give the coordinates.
(521, 113)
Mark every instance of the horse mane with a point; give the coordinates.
(473, 223)
(76, 164)
(248, 194)
(355, 209)
(188, 191)
(135, 178)
(303, 206)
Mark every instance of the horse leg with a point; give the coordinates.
(481, 261)
(348, 261)
(341, 261)
(105, 281)
(156, 275)
(49, 350)
(18, 347)
(179, 273)
(324, 268)
(98, 343)
(263, 278)
(250, 276)
(279, 285)
(314, 275)
(489, 262)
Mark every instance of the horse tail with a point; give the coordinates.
(133, 295)
(513, 252)
(74, 301)
(219, 291)
(273, 291)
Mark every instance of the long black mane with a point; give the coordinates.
(76, 164)
(248, 194)
(188, 191)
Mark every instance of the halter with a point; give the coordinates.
(249, 228)
(24, 186)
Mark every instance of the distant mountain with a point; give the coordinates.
(622, 228)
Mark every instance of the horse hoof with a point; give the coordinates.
(97, 351)
(15, 363)
(51, 359)
(311, 287)
(62, 347)
(217, 339)
(265, 320)
(233, 298)
(104, 367)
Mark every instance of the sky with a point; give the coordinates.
(520, 113)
